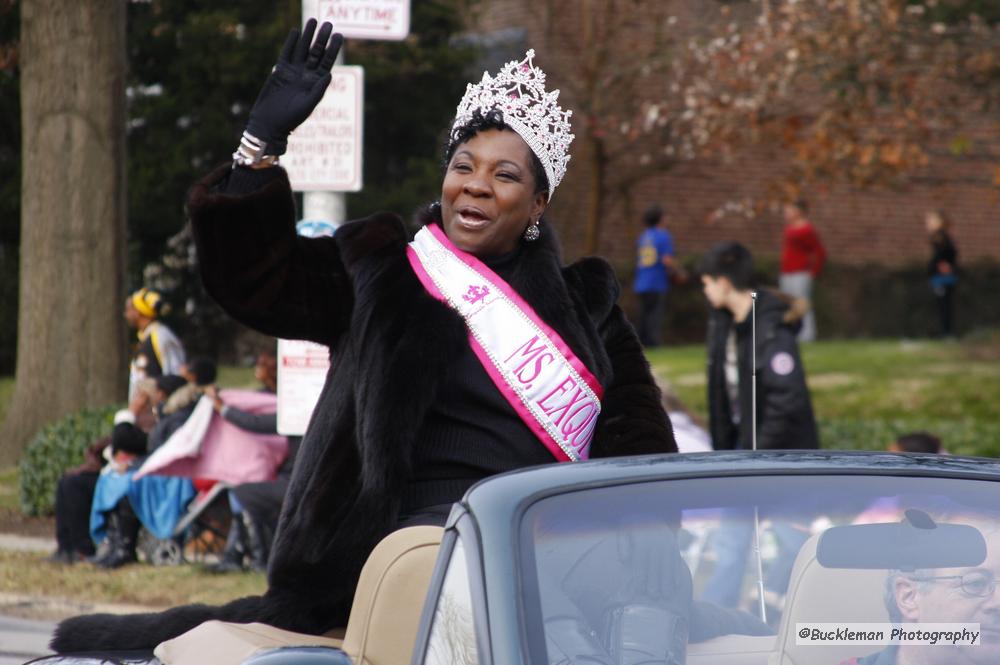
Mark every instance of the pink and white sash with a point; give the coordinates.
(549, 387)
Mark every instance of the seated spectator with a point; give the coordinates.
(128, 445)
(122, 505)
(199, 373)
(74, 493)
(173, 406)
(255, 506)
(75, 489)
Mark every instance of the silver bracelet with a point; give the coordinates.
(250, 153)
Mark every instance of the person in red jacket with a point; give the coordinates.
(802, 258)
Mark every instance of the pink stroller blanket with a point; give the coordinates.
(208, 446)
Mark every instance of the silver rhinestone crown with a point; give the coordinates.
(518, 91)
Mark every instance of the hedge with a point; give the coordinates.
(57, 447)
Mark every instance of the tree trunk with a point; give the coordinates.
(71, 345)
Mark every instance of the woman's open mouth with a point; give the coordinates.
(472, 218)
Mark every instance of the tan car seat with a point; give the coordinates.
(385, 616)
(828, 595)
(381, 630)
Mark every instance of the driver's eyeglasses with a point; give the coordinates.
(977, 583)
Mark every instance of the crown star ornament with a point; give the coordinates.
(518, 91)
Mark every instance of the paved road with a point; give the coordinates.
(11, 541)
(24, 639)
(21, 640)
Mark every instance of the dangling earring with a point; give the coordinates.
(531, 233)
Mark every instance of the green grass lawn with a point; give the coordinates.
(867, 392)
(864, 392)
(9, 489)
(236, 377)
(141, 584)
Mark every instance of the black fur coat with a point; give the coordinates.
(391, 342)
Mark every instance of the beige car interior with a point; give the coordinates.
(829, 595)
(815, 594)
(385, 616)
(382, 628)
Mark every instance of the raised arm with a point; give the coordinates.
(251, 260)
(258, 423)
(264, 275)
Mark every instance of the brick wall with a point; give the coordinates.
(859, 227)
(878, 225)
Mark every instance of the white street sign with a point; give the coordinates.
(367, 19)
(324, 153)
(302, 368)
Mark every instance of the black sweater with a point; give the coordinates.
(470, 432)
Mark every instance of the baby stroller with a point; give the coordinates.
(199, 534)
(216, 455)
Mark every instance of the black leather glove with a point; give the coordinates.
(295, 86)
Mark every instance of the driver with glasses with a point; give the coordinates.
(946, 595)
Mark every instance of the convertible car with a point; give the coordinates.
(715, 558)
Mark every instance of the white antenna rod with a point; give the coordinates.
(753, 368)
(753, 436)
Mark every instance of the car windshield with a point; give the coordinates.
(770, 567)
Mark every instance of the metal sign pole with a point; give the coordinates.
(323, 206)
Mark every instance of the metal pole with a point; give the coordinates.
(760, 565)
(323, 206)
(753, 369)
(753, 436)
